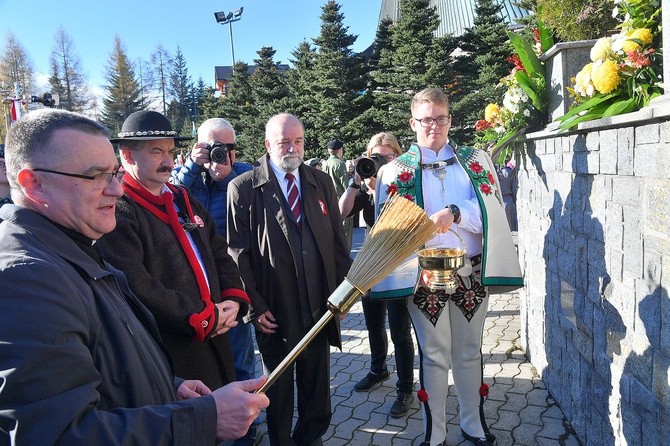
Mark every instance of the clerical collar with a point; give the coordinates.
(85, 243)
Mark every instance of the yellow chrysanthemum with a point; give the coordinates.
(605, 76)
(491, 113)
(641, 34)
(583, 84)
(602, 49)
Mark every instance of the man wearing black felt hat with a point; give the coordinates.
(168, 246)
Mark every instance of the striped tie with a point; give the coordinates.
(293, 197)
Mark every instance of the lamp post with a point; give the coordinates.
(228, 19)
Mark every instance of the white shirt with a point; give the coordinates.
(283, 182)
(190, 239)
(453, 188)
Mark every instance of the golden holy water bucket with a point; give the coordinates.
(443, 263)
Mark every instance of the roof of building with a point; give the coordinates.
(226, 72)
(455, 15)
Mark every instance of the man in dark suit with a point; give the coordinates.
(285, 233)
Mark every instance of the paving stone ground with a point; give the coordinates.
(520, 411)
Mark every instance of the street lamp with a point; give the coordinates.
(228, 19)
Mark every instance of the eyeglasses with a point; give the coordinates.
(100, 180)
(428, 122)
(390, 157)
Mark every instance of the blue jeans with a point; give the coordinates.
(242, 343)
(401, 336)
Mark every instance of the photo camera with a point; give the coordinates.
(47, 99)
(218, 152)
(368, 167)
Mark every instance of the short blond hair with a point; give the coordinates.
(383, 139)
(431, 95)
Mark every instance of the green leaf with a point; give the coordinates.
(546, 39)
(619, 107)
(594, 101)
(526, 54)
(595, 112)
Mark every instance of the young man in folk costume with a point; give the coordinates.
(458, 189)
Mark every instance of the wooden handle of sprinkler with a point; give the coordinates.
(293, 354)
(340, 302)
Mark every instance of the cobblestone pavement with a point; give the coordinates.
(520, 411)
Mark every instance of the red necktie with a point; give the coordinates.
(293, 197)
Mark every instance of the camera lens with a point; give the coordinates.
(218, 153)
(366, 168)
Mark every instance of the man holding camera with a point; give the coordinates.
(167, 244)
(206, 173)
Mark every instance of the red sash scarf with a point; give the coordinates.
(163, 208)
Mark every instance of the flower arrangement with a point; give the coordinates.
(623, 73)
(524, 100)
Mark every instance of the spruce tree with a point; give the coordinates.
(337, 83)
(122, 90)
(238, 107)
(179, 86)
(408, 65)
(300, 100)
(268, 93)
(483, 64)
(370, 121)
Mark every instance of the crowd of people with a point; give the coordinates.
(133, 292)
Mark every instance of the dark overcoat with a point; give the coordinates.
(259, 241)
(80, 357)
(148, 251)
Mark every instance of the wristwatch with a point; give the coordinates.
(456, 212)
(353, 184)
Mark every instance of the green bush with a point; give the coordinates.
(577, 19)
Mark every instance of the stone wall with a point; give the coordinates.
(594, 245)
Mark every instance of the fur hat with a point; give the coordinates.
(145, 125)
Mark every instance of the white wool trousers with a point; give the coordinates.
(449, 329)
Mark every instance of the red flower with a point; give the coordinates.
(536, 34)
(485, 188)
(491, 180)
(476, 167)
(638, 59)
(516, 61)
(482, 124)
(409, 197)
(405, 176)
(392, 189)
(422, 395)
(484, 390)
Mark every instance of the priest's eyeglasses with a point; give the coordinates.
(428, 122)
(100, 180)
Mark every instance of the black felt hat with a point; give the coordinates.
(146, 125)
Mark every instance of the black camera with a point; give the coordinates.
(47, 99)
(218, 152)
(368, 167)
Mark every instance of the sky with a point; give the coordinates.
(189, 24)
